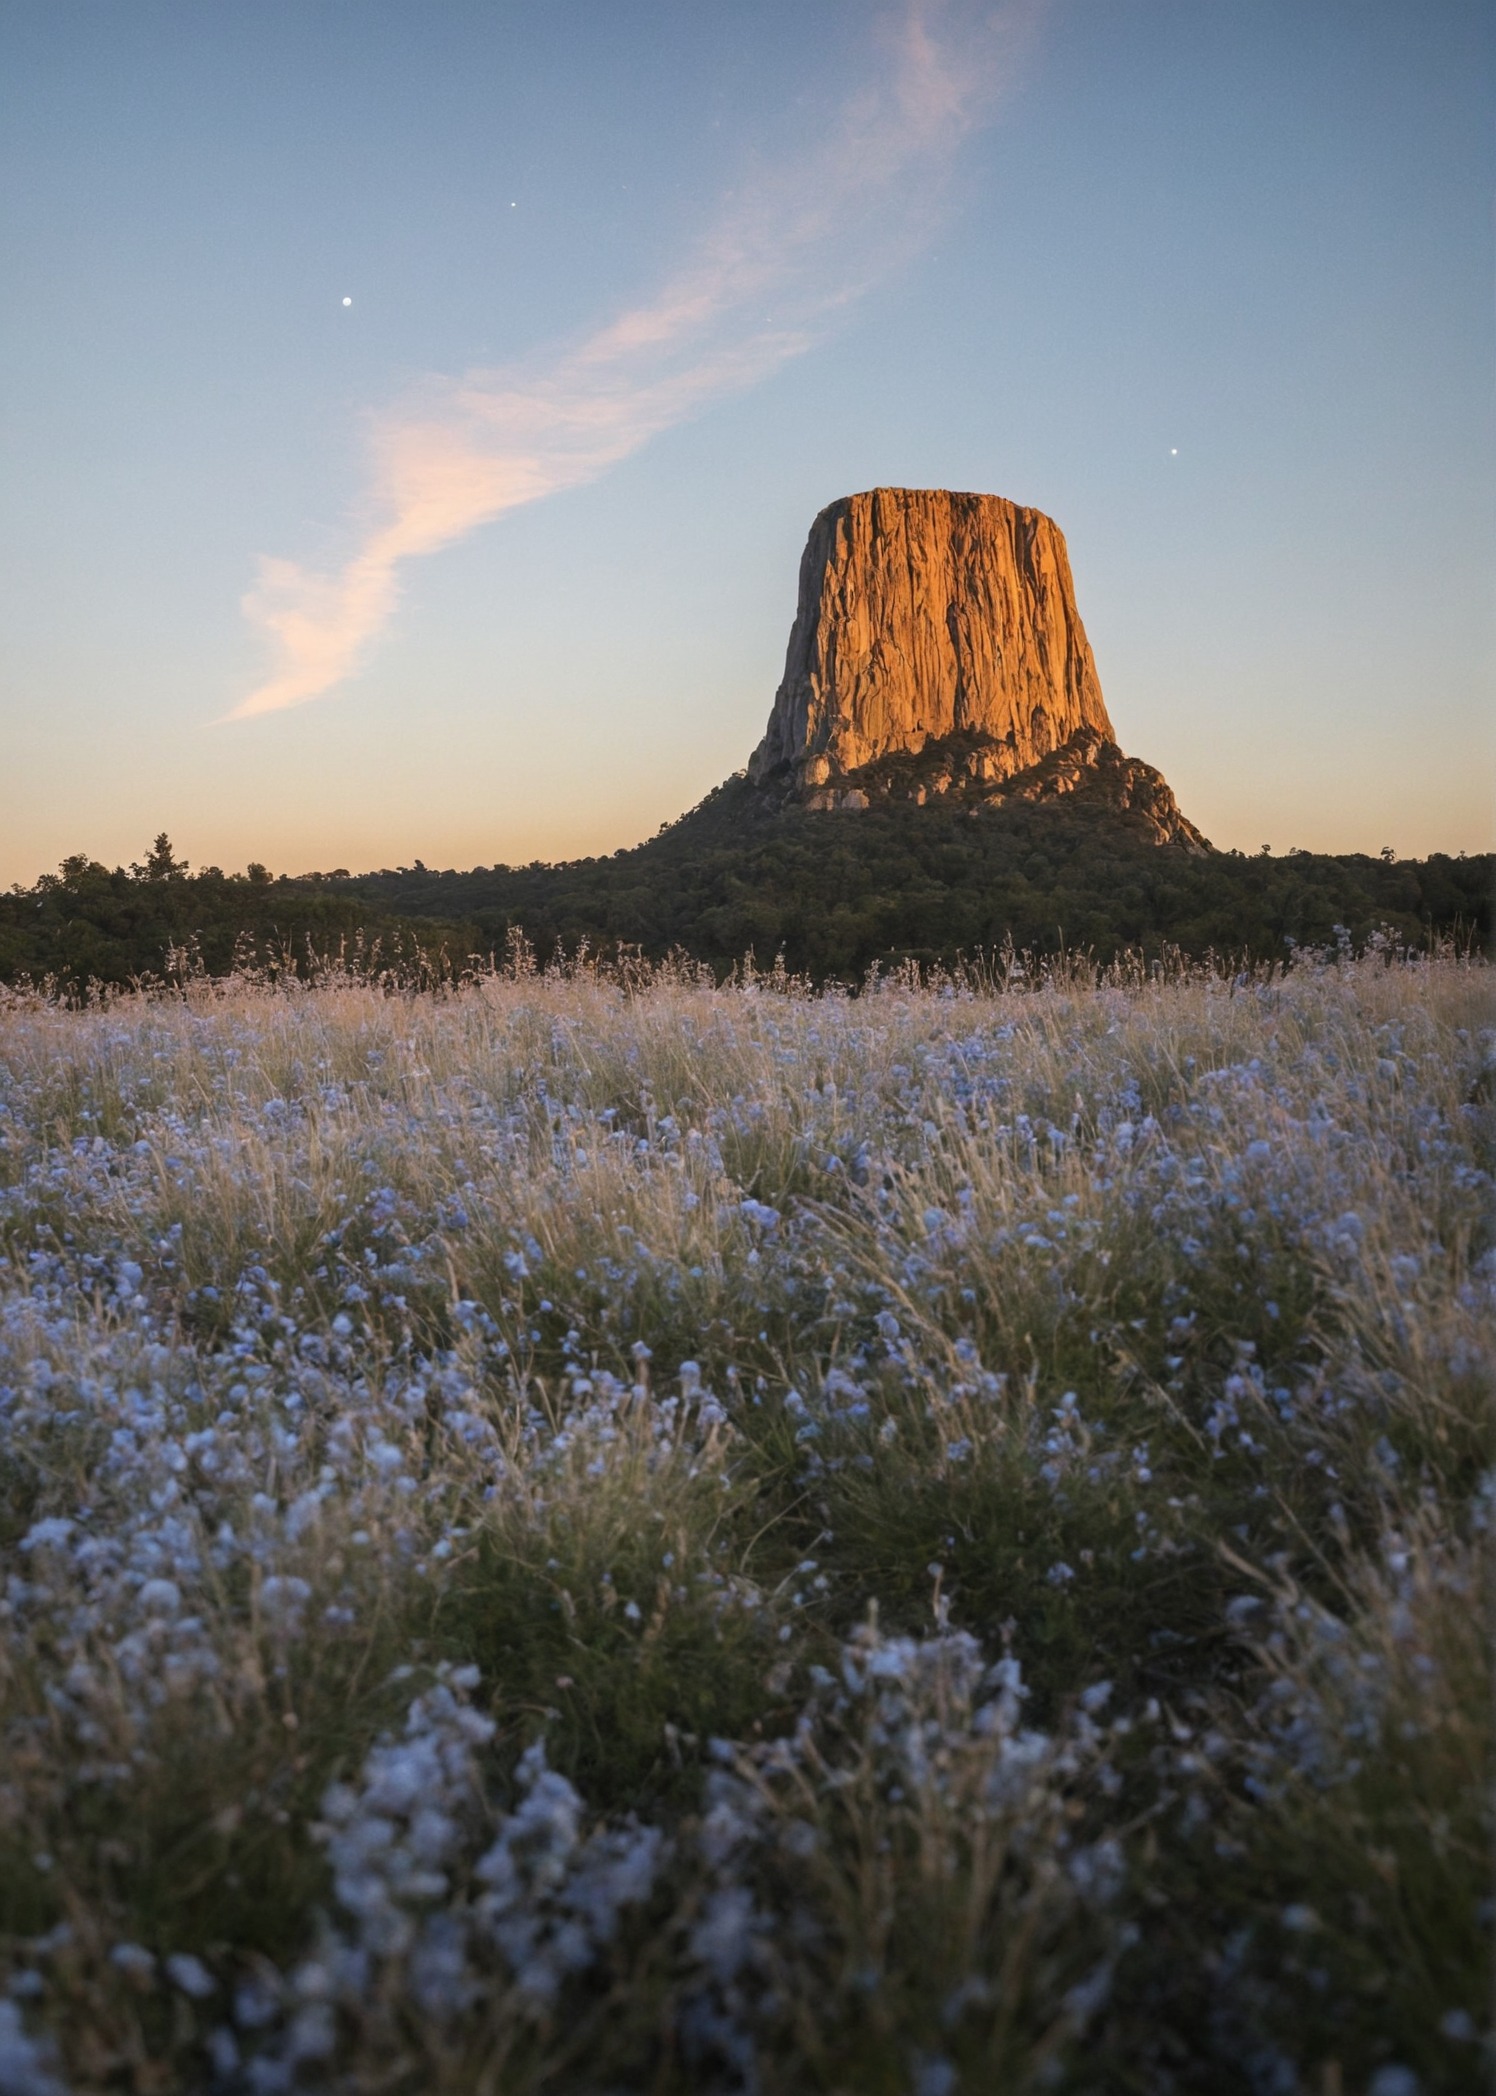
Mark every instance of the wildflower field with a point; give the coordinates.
(583, 1532)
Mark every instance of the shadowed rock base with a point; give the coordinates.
(976, 773)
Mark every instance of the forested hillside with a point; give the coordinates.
(834, 893)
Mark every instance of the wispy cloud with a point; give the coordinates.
(805, 241)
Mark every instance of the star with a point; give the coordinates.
(348, 302)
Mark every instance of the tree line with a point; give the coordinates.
(833, 893)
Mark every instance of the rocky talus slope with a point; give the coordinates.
(970, 772)
(937, 652)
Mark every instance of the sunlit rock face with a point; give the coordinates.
(925, 614)
(937, 655)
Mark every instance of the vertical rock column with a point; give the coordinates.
(924, 614)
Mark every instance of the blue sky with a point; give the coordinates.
(1209, 284)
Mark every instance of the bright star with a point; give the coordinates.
(348, 302)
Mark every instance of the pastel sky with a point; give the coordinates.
(412, 410)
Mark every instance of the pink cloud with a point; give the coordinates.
(808, 239)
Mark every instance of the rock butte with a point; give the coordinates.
(937, 651)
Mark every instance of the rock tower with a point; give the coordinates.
(924, 614)
(937, 650)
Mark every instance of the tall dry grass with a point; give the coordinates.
(601, 1530)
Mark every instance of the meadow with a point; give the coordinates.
(602, 1531)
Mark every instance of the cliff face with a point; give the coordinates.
(924, 614)
(937, 653)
